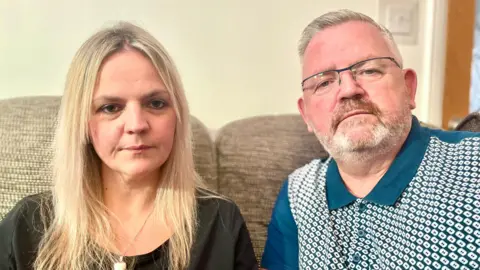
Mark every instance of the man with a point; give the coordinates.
(392, 194)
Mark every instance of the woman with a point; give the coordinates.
(125, 192)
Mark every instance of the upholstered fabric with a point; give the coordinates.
(204, 153)
(255, 156)
(470, 123)
(26, 132)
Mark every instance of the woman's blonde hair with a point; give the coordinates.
(78, 234)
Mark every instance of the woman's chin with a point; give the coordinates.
(139, 171)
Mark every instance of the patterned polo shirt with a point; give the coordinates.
(424, 213)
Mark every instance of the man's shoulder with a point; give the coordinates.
(308, 172)
(308, 177)
(455, 137)
(454, 144)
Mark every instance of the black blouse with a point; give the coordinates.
(222, 239)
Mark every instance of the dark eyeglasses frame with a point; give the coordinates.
(350, 68)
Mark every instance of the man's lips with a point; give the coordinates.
(353, 113)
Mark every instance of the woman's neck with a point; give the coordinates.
(129, 198)
(131, 205)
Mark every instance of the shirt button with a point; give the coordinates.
(356, 258)
(362, 207)
(362, 233)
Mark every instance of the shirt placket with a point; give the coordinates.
(359, 255)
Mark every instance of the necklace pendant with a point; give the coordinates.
(120, 266)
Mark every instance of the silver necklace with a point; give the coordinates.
(121, 265)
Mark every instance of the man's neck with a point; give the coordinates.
(362, 172)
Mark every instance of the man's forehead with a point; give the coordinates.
(342, 45)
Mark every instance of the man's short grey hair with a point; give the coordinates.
(334, 18)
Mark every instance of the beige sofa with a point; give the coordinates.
(248, 160)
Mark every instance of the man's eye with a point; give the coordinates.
(157, 104)
(324, 84)
(370, 71)
(110, 108)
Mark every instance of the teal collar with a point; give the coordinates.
(394, 182)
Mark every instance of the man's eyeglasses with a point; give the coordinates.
(363, 72)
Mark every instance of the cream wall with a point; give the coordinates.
(237, 58)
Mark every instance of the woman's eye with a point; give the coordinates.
(157, 104)
(110, 108)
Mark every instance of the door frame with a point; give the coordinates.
(434, 60)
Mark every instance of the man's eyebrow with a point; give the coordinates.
(328, 68)
(332, 68)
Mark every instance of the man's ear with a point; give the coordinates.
(302, 110)
(410, 78)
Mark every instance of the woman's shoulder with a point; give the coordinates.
(222, 239)
(214, 205)
(214, 201)
(26, 212)
(21, 230)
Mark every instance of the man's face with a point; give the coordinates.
(357, 114)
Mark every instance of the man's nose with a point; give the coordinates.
(348, 86)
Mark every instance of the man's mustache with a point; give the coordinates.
(350, 105)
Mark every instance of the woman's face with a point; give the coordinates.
(133, 121)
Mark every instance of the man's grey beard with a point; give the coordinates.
(384, 136)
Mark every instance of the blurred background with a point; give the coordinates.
(238, 58)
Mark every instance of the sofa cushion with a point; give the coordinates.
(26, 131)
(255, 156)
(204, 153)
(470, 123)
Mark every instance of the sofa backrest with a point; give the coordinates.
(26, 132)
(255, 156)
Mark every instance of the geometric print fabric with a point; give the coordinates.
(435, 223)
